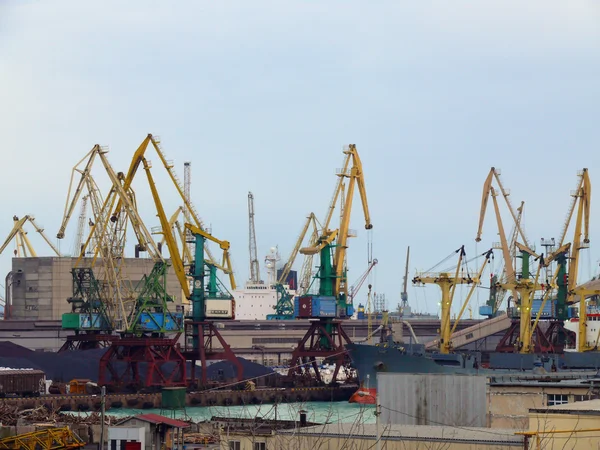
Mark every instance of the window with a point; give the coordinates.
(557, 399)
(260, 446)
(234, 445)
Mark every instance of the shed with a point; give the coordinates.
(161, 433)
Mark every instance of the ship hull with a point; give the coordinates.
(368, 360)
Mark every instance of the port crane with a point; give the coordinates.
(24, 246)
(507, 246)
(326, 336)
(284, 307)
(155, 142)
(447, 283)
(210, 300)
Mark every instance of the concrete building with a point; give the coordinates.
(510, 399)
(160, 433)
(572, 426)
(363, 437)
(38, 288)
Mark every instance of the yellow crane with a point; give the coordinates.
(24, 246)
(581, 198)
(507, 247)
(189, 207)
(583, 292)
(447, 283)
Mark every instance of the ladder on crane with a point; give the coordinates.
(52, 438)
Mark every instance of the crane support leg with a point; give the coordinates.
(325, 339)
(559, 337)
(511, 342)
(205, 333)
(143, 363)
(88, 341)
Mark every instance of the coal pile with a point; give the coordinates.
(65, 366)
(225, 370)
(62, 366)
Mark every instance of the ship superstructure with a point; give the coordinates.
(257, 299)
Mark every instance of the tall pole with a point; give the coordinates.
(102, 410)
(377, 424)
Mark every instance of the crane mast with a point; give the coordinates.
(80, 226)
(254, 266)
(404, 293)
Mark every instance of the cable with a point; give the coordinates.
(440, 423)
(266, 375)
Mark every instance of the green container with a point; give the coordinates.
(173, 398)
(70, 321)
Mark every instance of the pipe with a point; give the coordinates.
(8, 295)
(412, 332)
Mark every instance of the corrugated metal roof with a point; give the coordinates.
(414, 432)
(156, 419)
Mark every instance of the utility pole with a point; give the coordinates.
(102, 411)
(254, 267)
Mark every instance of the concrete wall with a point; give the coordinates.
(578, 440)
(41, 286)
(508, 406)
(432, 399)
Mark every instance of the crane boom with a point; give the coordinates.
(580, 237)
(168, 233)
(356, 178)
(84, 175)
(40, 230)
(311, 218)
(254, 266)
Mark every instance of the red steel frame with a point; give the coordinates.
(206, 332)
(319, 343)
(120, 365)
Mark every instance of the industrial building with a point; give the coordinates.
(37, 288)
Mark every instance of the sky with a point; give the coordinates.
(262, 96)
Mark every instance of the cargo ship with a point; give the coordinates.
(391, 356)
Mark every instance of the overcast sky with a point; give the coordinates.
(263, 95)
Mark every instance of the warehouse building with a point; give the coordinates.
(38, 288)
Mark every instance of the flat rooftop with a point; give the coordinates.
(587, 407)
(496, 436)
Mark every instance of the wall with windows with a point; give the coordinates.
(244, 442)
(509, 404)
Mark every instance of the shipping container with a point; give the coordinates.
(24, 383)
(219, 308)
(158, 321)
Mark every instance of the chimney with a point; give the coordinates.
(302, 418)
